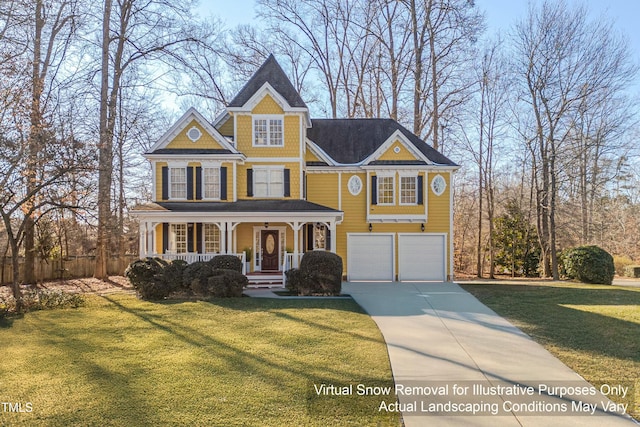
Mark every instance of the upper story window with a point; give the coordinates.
(408, 190)
(211, 183)
(268, 131)
(386, 193)
(268, 182)
(178, 178)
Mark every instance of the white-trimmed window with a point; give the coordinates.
(211, 238)
(211, 183)
(386, 193)
(268, 181)
(319, 236)
(178, 238)
(408, 190)
(178, 179)
(268, 131)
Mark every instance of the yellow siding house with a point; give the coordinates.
(268, 183)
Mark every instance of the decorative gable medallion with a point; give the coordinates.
(194, 134)
(438, 185)
(354, 185)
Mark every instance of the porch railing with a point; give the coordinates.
(190, 257)
(291, 260)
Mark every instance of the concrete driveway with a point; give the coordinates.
(455, 362)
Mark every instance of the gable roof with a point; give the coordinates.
(352, 141)
(270, 72)
(191, 114)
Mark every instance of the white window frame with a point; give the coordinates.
(271, 140)
(380, 180)
(175, 244)
(217, 181)
(211, 242)
(269, 170)
(172, 182)
(409, 191)
(319, 232)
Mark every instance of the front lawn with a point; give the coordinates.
(234, 362)
(593, 329)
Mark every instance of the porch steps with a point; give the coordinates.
(265, 280)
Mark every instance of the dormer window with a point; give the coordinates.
(268, 131)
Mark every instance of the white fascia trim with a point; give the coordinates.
(261, 93)
(168, 216)
(182, 122)
(397, 218)
(429, 168)
(194, 158)
(329, 169)
(221, 118)
(397, 135)
(265, 89)
(319, 152)
(272, 159)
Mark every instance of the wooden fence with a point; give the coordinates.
(68, 268)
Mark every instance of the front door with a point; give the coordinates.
(270, 250)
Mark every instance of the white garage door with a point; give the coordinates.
(370, 256)
(421, 257)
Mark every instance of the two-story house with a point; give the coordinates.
(268, 181)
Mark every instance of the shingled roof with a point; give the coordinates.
(270, 72)
(350, 141)
(247, 206)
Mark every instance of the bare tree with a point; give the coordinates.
(563, 60)
(443, 34)
(133, 32)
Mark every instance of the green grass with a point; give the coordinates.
(237, 362)
(593, 329)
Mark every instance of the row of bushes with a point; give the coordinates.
(320, 273)
(155, 278)
(40, 299)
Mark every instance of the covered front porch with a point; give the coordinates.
(269, 236)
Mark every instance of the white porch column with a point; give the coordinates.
(150, 236)
(332, 230)
(223, 241)
(231, 247)
(296, 226)
(142, 236)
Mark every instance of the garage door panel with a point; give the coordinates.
(370, 257)
(421, 257)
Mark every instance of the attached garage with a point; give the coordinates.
(421, 257)
(370, 256)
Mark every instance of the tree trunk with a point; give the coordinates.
(105, 154)
(35, 135)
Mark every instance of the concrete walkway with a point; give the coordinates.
(457, 356)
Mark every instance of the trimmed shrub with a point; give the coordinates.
(632, 271)
(145, 276)
(321, 273)
(197, 274)
(294, 280)
(226, 262)
(172, 275)
(222, 283)
(588, 264)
